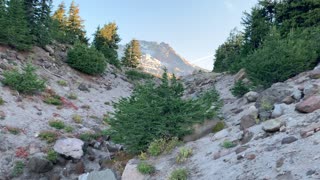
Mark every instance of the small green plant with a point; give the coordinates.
(2, 101)
(48, 136)
(52, 156)
(266, 105)
(57, 124)
(88, 136)
(239, 89)
(183, 155)
(26, 82)
(53, 99)
(68, 129)
(143, 156)
(228, 144)
(137, 75)
(179, 174)
(72, 96)
(14, 130)
(62, 83)
(218, 127)
(171, 144)
(77, 119)
(156, 147)
(18, 168)
(145, 168)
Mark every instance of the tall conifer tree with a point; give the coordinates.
(132, 54)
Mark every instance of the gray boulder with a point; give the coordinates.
(39, 164)
(277, 111)
(98, 175)
(251, 96)
(70, 147)
(272, 125)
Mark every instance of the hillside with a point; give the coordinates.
(283, 147)
(156, 56)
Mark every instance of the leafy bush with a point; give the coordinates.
(2, 101)
(137, 75)
(281, 58)
(155, 112)
(52, 156)
(25, 82)
(239, 89)
(77, 119)
(183, 155)
(145, 168)
(179, 174)
(18, 169)
(57, 124)
(228, 144)
(68, 129)
(162, 145)
(48, 136)
(87, 60)
(218, 127)
(62, 83)
(53, 99)
(72, 96)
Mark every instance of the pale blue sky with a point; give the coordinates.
(194, 28)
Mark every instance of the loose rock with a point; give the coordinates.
(309, 105)
(288, 140)
(39, 164)
(272, 125)
(69, 147)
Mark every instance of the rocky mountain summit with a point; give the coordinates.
(156, 56)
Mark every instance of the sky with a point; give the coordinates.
(194, 28)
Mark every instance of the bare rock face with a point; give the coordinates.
(309, 105)
(240, 75)
(130, 172)
(70, 147)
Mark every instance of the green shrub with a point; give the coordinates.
(26, 81)
(87, 60)
(156, 147)
(57, 124)
(62, 83)
(2, 101)
(72, 96)
(218, 127)
(48, 136)
(179, 174)
(143, 156)
(145, 168)
(53, 99)
(154, 112)
(52, 156)
(281, 58)
(18, 168)
(228, 144)
(183, 155)
(68, 129)
(77, 119)
(239, 89)
(14, 130)
(137, 75)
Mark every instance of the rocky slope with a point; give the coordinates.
(156, 56)
(23, 118)
(274, 133)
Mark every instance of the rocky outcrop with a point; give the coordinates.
(98, 175)
(309, 105)
(130, 172)
(70, 147)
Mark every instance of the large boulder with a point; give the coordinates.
(247, 121)
(272, 125)
(98, 175)
(251, 96)
(70, 147)
(309, 105)
(39, 164)
(130, 172)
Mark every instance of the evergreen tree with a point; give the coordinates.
(106, 40)
(132, 54)
(42, 29)
(3, 22)
(18, 32)
(75, 25)
(59, 24)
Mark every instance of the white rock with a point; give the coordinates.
(98, 175)
(251, 96)
(277, 111)
(131, 173)
(69, 147)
